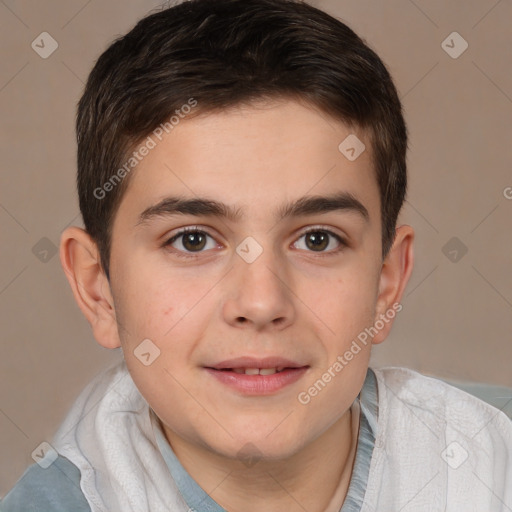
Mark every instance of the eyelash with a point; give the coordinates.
(182, 254)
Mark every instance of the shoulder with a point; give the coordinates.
(437, 446)
(409, 399)
(411, 386)
(435, 398)
(55, 489)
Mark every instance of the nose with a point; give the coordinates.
(260, 294)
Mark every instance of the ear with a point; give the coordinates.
(80, 259)
(395, 273)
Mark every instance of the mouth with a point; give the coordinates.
(257, 376)
(255, 371)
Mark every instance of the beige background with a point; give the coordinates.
(457, 316)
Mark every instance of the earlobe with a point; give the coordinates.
(80, 260)
(395, 273)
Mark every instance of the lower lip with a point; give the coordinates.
(258, 384)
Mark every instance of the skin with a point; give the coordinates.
(294, 300)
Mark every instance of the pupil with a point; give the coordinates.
(194, 241)
(318, 239)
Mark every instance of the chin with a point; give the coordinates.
(260, 445)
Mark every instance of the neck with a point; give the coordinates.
(315, 479)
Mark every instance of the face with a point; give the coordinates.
(293, 289)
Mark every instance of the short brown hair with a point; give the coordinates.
(223, 53)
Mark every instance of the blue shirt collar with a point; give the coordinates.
(198, 500)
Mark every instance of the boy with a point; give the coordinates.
(241, 167)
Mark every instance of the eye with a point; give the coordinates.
(191, 240)
(318, 239)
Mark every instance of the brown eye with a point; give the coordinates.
(318, 240)
(189, 241)
(193, 241)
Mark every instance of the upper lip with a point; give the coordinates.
(253, 362)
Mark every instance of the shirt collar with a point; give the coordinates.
(198, 500)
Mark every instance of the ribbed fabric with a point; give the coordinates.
(368, 401)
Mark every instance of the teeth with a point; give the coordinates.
(258, 371)
(267, 371)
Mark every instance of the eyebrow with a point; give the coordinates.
(307, 205)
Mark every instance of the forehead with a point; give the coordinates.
(255, 158)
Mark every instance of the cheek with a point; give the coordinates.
(171, 313)
(346, 302)
(147, 300)
(167, 311)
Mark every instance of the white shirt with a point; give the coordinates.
(423, 445)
